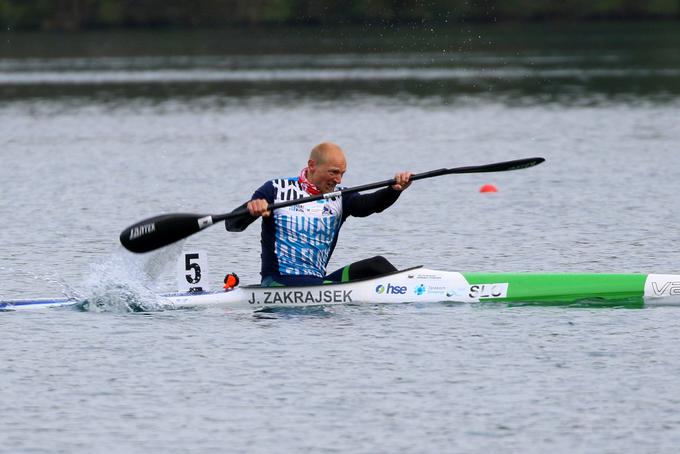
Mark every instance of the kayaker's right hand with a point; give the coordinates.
(259, 207)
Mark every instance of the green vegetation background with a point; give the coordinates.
(86, 14)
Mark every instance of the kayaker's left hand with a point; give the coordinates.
(403, 181)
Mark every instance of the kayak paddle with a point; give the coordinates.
(159, 231)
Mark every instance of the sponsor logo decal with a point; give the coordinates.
(205, 222)
(391, 289)
(301, 297)
(436, 289)
(332, 195)
(136, 232)
(428, 277)
(430, 290)
(452, 292)
(668, 288)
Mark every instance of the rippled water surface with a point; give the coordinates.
(100, 130)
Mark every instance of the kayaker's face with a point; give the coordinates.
(328, 174)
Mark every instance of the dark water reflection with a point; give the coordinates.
(521, 63)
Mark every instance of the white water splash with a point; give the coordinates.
(126, 282)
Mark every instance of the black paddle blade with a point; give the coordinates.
(502, 166)
(159, 231)
(496, 167)
(521, 163)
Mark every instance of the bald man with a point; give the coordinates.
(297, 241)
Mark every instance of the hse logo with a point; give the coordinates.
(391, 289)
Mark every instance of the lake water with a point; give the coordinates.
(99, 130)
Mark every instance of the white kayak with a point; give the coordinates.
(425, 285)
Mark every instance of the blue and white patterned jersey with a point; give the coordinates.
(297, 241)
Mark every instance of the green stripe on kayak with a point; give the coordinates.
(563, 286)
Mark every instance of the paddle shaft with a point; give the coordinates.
(497, 167)
(160, 231)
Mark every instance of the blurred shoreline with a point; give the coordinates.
(79, 15)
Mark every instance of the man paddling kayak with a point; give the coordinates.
(298, 240)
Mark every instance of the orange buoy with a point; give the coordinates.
(488, 188)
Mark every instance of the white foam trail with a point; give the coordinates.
(66, 290)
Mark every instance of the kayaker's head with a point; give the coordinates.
(326, 166)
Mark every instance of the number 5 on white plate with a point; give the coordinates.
(192, 272)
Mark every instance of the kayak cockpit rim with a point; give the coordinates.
(353, 281)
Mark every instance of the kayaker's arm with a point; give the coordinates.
(239, 223)
(362, 205)
(253, 208)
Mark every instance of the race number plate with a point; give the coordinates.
(192, 272)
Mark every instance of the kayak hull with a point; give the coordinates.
(424, 285)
